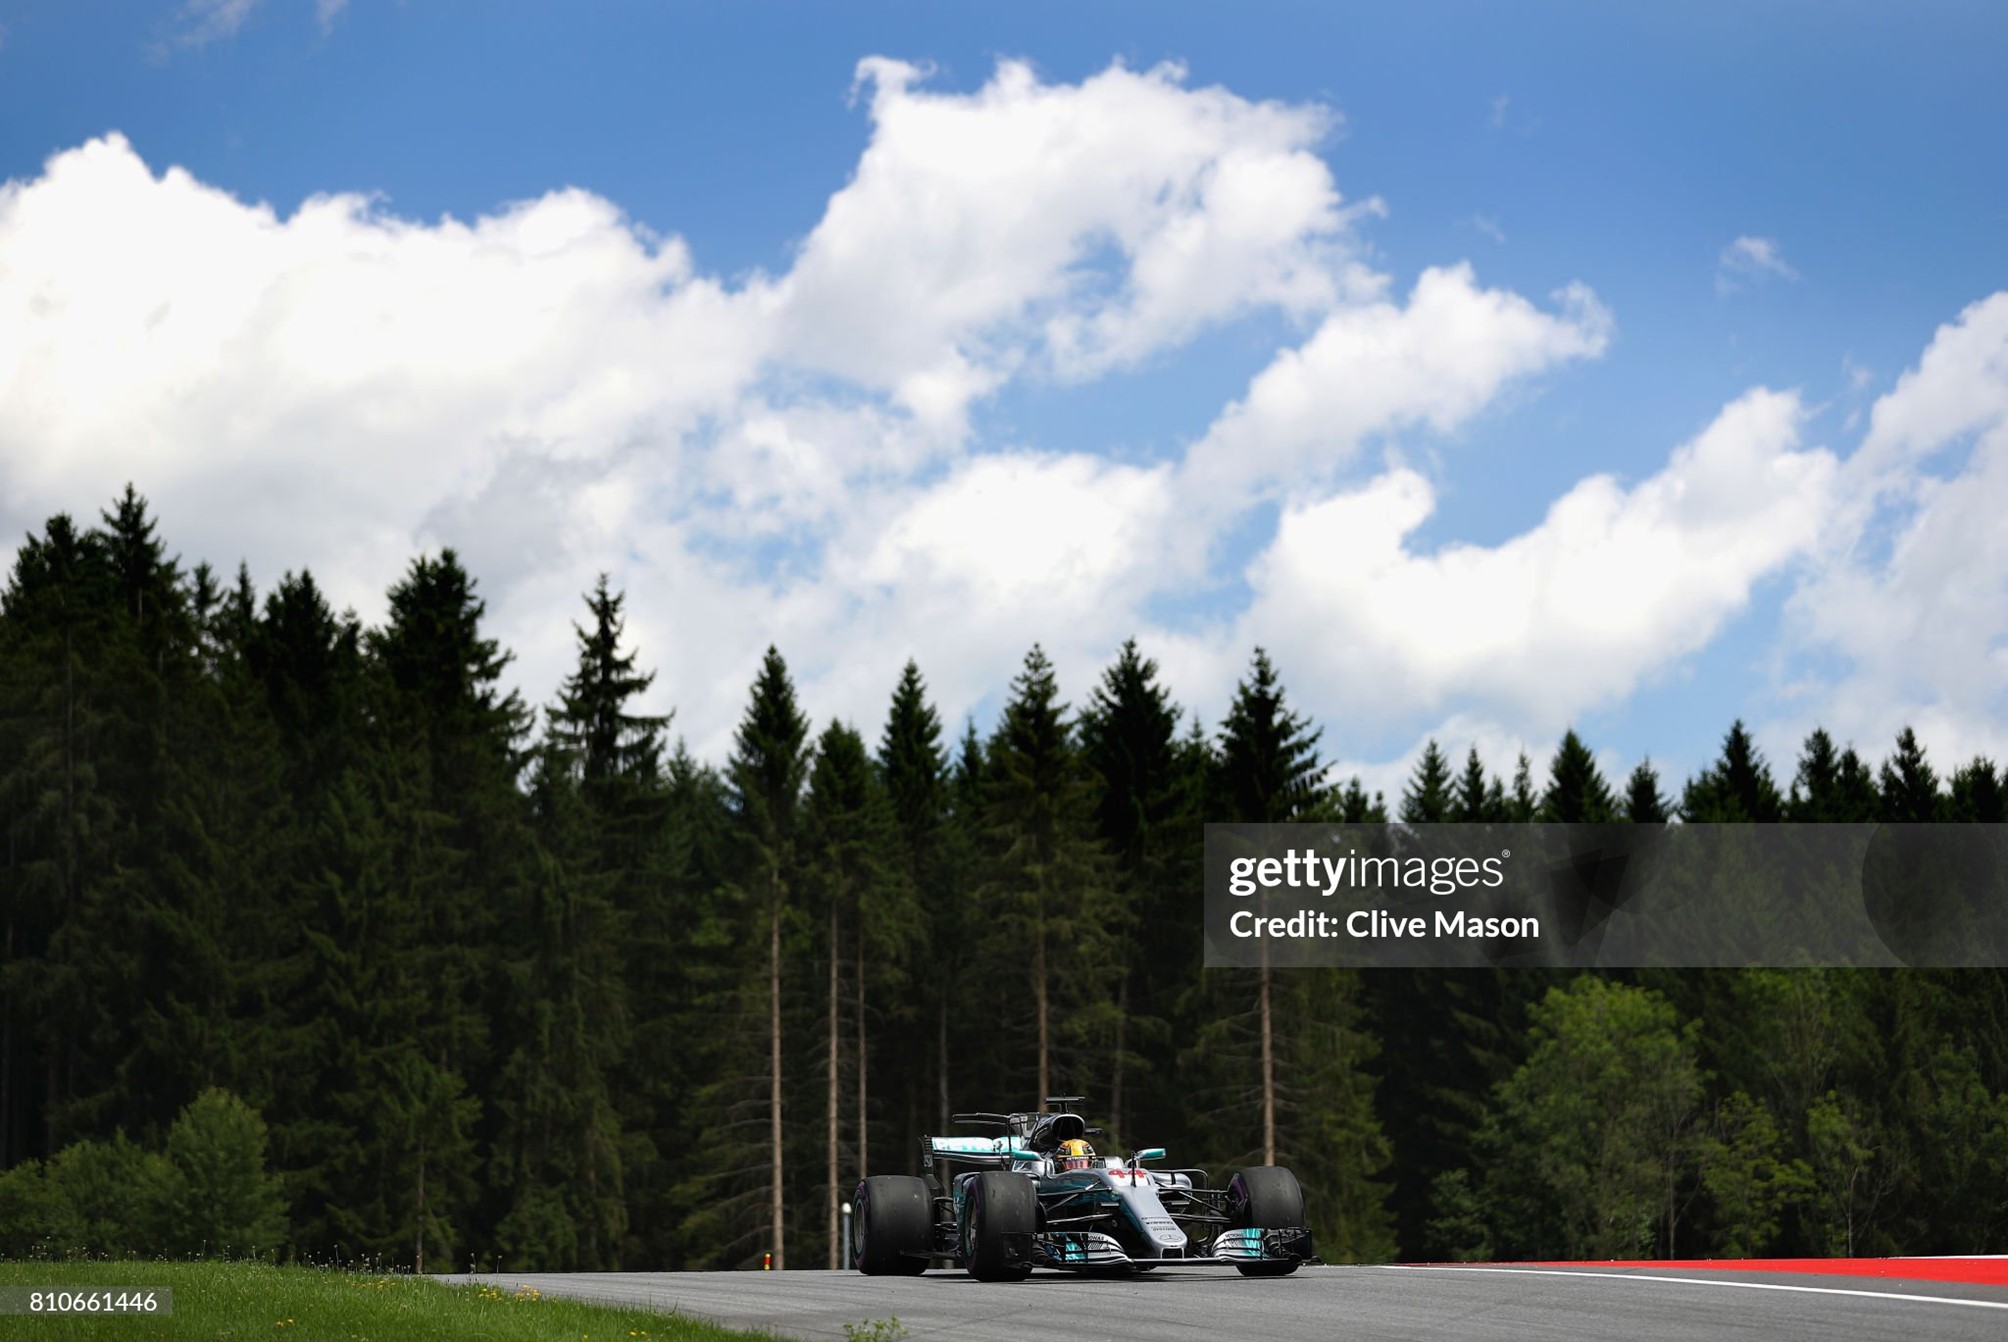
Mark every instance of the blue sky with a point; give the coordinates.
(741, 328)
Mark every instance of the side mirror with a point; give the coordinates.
(1149, 1153)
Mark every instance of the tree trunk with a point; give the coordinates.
(1122, 1033)
(1268, 1070)
(7, 1058)
(1039, 997)
(831, 1135)
(864, 1115)
(418, 1257)
(941, 1071)
(776, 1226)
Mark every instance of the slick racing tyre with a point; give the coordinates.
(1003, 1213)
(894, 1222)
(1266, 1197)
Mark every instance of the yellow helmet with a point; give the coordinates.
(1076, 1154)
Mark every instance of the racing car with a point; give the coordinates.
(1036, 1195)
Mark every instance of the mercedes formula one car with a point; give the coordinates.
(1036, 1195)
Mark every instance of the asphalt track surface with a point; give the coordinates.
(1634, 1304)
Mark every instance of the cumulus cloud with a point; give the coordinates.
(1377, 367)
(1748, 261)
(555, 391)
(788, 458)
(1057, 229)
(310, 390)
(1613, 585)
(1913, 593)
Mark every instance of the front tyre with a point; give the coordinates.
(893, 1225)
(1266, 1197)
(1003, 1213)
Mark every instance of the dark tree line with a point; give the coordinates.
(543, 989)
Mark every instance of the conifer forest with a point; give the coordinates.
(320, 944)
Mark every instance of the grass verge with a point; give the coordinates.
(253, 1300)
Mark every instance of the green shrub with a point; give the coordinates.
(218, 1197)
(118, 1193)
(35, 1218)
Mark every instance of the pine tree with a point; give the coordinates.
(446, 763)
(600, 805)
(615, 754)
(1737, 788)
(1855, 796)
(1297, 1048)
(1577, 793)
(62, 821)
(853, 871)
(1351, 805)
(1522, 806)
(1051, 892)
(1816, 786)
(1644, 803)
(1476, 801)
(1267, 772)
(1145, 820)
(768, 767)
(1979, 795)
(914, 766)
(1909, 785)
(1431, 794)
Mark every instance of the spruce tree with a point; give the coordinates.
(446, 761)
(1644, 804)
(1909, 785)
(1816, 786)
(1145, 819)
(1268, 770)
(1737, 788)
(1978, 794)
(1577, 793)
(915, 769)
(1051, 892)
(855, 878)
(1293, 1043)
(62, 821)
(1477, 802)
(767, 771)
(1522, 806)
(1431, 794)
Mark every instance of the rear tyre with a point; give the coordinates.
(1266, 1197)
(892, 1221)
(1003, 1213)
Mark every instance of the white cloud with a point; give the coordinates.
(310, 391)
(1377, 367)
(197, 23)
(1749, 261)
(787, 459)
(553, 392)
(206, 21)
(1611, 587)
(1913, 588)
(1071, 228)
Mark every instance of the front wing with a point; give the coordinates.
(1090, 1250)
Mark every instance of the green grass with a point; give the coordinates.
(252, 1300)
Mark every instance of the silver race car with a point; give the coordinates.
(1036, 1195)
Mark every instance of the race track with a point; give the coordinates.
(1636, 1304)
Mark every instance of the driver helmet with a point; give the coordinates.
(1076, 1154)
